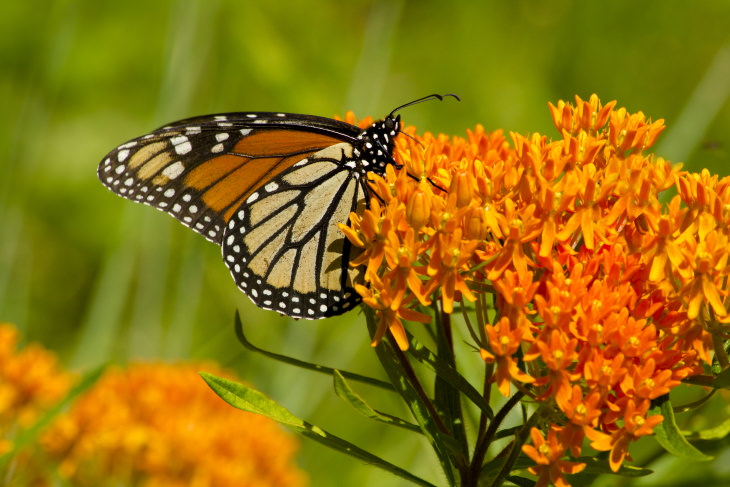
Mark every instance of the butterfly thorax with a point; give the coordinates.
(376, 145)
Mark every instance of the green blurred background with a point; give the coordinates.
(99, 279)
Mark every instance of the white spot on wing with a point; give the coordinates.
(183, 148)
(173, 170)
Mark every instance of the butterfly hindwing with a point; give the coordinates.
(283, 246)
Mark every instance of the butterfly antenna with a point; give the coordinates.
(435, 96)
(421, 100)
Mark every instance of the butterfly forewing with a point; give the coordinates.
(270, 188)
(199, 170)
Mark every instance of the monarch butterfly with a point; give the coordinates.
(270, 189)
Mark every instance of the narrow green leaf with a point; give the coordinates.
(302, 364)
(251, 400)
(347, 394)
(670, 437)
(27, 436)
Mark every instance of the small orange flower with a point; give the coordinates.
(504, 342)
(380, 297)
(559, 355)
(636, 425)
(548, 455)
(449, 256)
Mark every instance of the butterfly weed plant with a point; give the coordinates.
(588, 275)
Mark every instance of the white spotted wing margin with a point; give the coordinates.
(283, 246)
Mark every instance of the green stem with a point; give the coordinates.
(484, 442)
(412, 379)
(306, 365)
(448, 398)
(516, 447)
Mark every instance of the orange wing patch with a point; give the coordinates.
(286, 142)
(227, 180)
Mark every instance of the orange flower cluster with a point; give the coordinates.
(603, 297)
(161, 423)
(30, 382)
(148, 424)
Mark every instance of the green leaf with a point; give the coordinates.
(253, 401)
(347, 394)
(670, 437)
(302, 364)
(28, 436)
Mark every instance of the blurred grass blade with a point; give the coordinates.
(302, 364)
(347, 394)
(247, 399)
(178, 342)
(708, 98)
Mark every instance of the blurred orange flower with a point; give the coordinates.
(147, 424)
